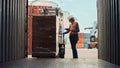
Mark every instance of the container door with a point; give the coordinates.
(44, 36)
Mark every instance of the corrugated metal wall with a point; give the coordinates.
(109, 30)
(12, 29)
(0, 30)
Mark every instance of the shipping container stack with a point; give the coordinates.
(80, 43)
(12, 29)
(86, 39)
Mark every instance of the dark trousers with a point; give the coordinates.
(73, 41)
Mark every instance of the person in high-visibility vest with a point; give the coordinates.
(73, 31)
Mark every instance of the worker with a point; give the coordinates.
(73, 31)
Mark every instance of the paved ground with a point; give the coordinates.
(83, 53)
(87, 59)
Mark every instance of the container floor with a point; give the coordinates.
(87, 59)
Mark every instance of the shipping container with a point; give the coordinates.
(35, 8)
(81, 35)
(86, 35)
(30, 10)
(86, 45)
(86, 40)
(108, 30)
(13, 17)
(79, 45)
(81, 40)
(29, 35)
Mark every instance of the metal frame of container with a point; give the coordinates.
(109, 29)
(13, 17)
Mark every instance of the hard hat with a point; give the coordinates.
(70, 17)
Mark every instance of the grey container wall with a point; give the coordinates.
(109, 30)
(12, 29)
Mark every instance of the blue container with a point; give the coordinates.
(85, 45)
(86, 40)
(86, 35)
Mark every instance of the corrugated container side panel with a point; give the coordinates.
(0, 30)
(99, 8)
(15, 29)
(100, 27)
(106, 17)
(4, 31)
(11, 12)
(21, 34)
(19, 21)
(108, 20)
(7, 30)
(111, 30)
(10, 29)
(26, 28)
(108, 30)
(112, 40)
(119, 31)
(99, 30)
(12, 23)
(13, 32)
(105, 26)
(98, 18)
(115, 57)
(23, 27)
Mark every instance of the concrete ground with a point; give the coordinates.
(87, 59)
(83, 53)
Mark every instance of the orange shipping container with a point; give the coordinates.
(37, 11)
(33, 10)
(29, 10)
(81, 40)
(81, 35)
(29, 35)
(79, 45)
